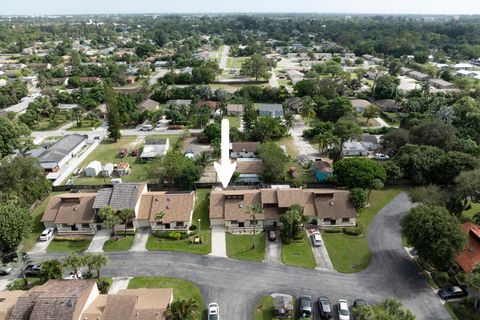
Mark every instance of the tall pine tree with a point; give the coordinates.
(113, 117)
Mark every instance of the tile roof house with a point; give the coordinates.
(469, 258)
(71, 213)
(359, 105)
(272, 110)
(55, 300)
(8, 299)
(389, 105)
(418, 75)
(441, 84)
(235, 110)
(329, 207)
(244, 149)
(162, 210)
(148, 105)
(55, 157)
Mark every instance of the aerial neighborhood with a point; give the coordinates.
(239, 166)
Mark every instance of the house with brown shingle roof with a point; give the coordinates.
(71, 214)
(249, 169)
(235, 110)
(148, 105)
(8, 299)
(326, 207)
(244, 149)
(162, 210)
(469, 258)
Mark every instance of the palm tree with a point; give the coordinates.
(99, 261)
(308, 108)
(182, 310)
(75, 262)
(203, 159)
(22, 263)
(325, 140)
(252, 211)
(288, 120)
(125, 215)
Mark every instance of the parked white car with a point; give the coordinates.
(73, 276)
(381, 156)
(213, 311)
(343, 312)
(316, 239)
(47, 234)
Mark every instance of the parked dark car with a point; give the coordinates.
(10, 257)
(6, 269)
(359, 302)
(325, 307)
(272, 235)
(33, 270)
(305, 306)
(453, 292)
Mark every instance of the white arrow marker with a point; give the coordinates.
(225, 168)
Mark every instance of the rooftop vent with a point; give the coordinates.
(75, 209)
(240, 205)
(331, 203)
(168, 207)
(157, 199)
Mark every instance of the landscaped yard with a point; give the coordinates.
(68, 246)
(107, 152)
(87, 125)
(299, 254)
(235, 62)
(472, 211)
(351, 253)
(200, 212)
(264, 309)
(234, 122)
(122, 244)
(240, 247)
(181, 289)
(38, 226)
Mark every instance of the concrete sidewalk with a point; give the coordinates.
(273, 251)
(321, 255)
(140, 241)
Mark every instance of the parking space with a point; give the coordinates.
(320, 253)
(40, 246)
(219, 247)
(99, 239)
(273, 249)
(140, 241)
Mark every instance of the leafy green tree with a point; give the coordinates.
(433, 133)
(473, 281)
(335, 109)
(346, 130)
(253, 211)
(468, 184)
(109, 218)
(15, 225)
(372, 111)
(289, 120)
(417, 162)
(274, 161)
(203, 160)
(325, 140)
(395, 138)
(358, 172)
(98, 262)
(430, 194)
(113, 115)
(9, 136)
(51, 269)
(436, 235)
(389, 309)
(386, 87)
(175, 168)
(74, 262)
(292, 221)
(182, 310)
(308, 108)
(358, 198)
(249, 116)
(256, 66)
(267, 129)
(125, 215)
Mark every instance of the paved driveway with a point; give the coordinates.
(41, 246)
(140, 241)
(273, 250)
(118, 283)
(99, 239)
(219, 246)
(237, 285)
(321, 255)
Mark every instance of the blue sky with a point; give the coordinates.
(38, 7)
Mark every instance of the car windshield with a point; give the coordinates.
(326, 306)
(213, 317)
(343, 312)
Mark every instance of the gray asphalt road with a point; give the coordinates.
(237, 285)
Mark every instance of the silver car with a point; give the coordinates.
(316, 239)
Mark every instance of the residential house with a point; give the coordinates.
(295, 104)
(389, 105)
(130, 79)
(162, 210)
(55, 157)
(244, 149)
(249, 169)
(148, 105)
(359, 105)
(353, 148)
(272, 110)
(103, 111)
(55, 300)
(71, 213)
(469, 258)
(93, 169)
(371, 142)
(404, 71)
(154, 148)
(419, 76)
(212, 105)
(178, 102)
(441, 84)
(326, 207)
(8, 299)
(235, 110)
(322, 170)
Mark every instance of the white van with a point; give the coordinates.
(147, 127)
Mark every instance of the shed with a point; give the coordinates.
(107, 170)
(93, 169)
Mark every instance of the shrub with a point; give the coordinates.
(175, 127)
(103, 286)
(71, 239)
(442, 279)
(18, 284)
(122, 232)
(286, 240)
(333, 230)
(358, 198)
(192, 227)
(354, 231)
(174, 235)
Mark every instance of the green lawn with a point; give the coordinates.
(200, 212)
(46, 125)
(38, 226)
(240, 247)
(68, 246)
(181, 289)
(87, 125)
(472, 211)
(298, 254)
(122, 244)
(236, 62)
(351, 253)
(264, 309)
(234, 122)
